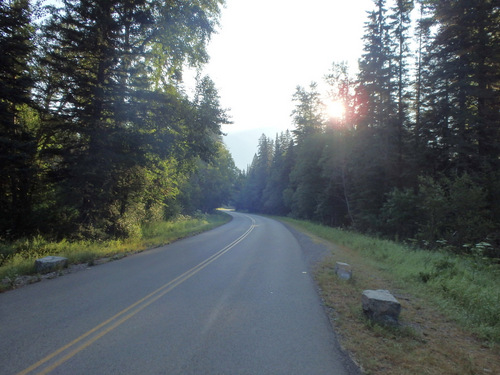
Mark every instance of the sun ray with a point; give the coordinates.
(335, 109)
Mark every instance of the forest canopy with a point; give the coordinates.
(99, 136)
(414, 154)
(97, 132)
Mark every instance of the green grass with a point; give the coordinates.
(18, 258)
(467, 289)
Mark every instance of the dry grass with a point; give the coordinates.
(427, 342)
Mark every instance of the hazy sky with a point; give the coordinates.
(265, 48)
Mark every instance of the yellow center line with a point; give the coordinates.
(139, 306)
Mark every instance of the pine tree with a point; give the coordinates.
(306, 181)
(211, 185)
(334, 207)
(399, 31)
(374, 149)
(118, 110)
(278, 178)
(252, 195)
(460, 118)
(376, 68)
(301, 194)
(307, 115)
(87, 46)
(342, 89)
(421, 90)
(464, 76)
(18, 133)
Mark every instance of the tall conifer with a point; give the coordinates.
(18, 137)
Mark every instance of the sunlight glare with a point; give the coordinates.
(335, 109)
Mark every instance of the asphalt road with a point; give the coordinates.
(235, 300)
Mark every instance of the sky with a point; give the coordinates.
(265, 48)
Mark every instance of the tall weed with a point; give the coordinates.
(467, 288)
(17, 258)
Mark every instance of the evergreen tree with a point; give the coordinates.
(419, 161)
(18, 128)
(302, 193)
(375, 71)
(278, 179)
(111, 118)
(335, 207)
(305, 178)
(331, 208)
(307, 115)
(342, 90)
(101, 143)
(464, 74)
(415, 161)
(399, 32)
(374, 149)
(252, 194)
(211, 185)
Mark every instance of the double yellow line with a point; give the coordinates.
(74, 347)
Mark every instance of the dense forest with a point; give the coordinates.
(98, 133)
(415, 155)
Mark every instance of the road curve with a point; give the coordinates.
(235, 300)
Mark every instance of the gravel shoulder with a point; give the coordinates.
(315, 252)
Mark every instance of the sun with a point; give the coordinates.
(335, 109)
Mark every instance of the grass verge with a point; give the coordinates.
(17, 259)
(450, 320)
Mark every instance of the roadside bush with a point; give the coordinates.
(401, 213)
(453, 212)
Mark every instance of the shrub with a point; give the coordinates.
(401, 213)
(453, 212)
